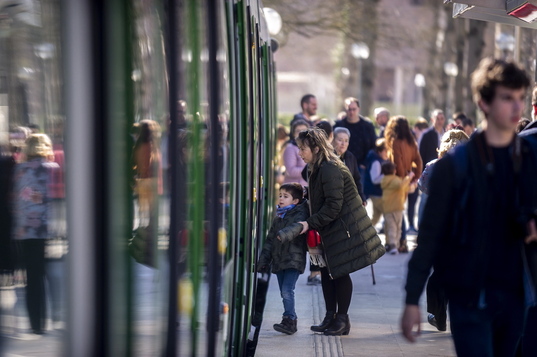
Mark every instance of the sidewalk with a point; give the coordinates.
(374, 313)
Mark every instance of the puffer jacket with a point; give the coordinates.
(350, 241)
(290, 252)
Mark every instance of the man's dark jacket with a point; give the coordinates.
(428, 146)
(453, 232)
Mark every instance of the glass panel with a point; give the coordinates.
(33, 232)
(150, 160)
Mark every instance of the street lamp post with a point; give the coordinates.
(419, 81)
(451, 70)
(505, 43)
(360, 51)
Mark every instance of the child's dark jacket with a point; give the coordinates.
(290, 252)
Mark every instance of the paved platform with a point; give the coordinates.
(374, 313)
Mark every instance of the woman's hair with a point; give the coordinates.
(38, 146)
(296, 123)
(148, 131)
(398, 128)
(281, 133)
(522, 123)
(450, 139)
(380, 145)
(343, 130)
(315, 138)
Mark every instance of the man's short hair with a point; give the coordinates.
(436, 112)
(349, 100)
(467, 122)
(306, 99)
(459, 115)
(294, 188)
(491, 73)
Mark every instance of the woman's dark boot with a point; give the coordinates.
(330, 315)
(340, 326)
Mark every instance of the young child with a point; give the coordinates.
(394, 192)
(285, 249)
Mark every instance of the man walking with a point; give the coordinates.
(363, 135)
(482, 261)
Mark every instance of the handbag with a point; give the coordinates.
(313, 238)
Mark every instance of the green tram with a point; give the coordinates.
(159, 261)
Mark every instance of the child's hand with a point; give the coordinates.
(411, 174)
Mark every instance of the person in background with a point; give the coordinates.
(403, 151)
(327, 127)
(382, 115)
(436, 296)
(341, 144)
(285, 250)
(468, 126)
(340, 218)
(281, 136)
(362, 132)
(373, 177)
(483, 262)
(148, 169)
(291, 159)
(31, 220)
(420, 126)
(308, 103)
(394, 192)
(458, 118)
(430, 140)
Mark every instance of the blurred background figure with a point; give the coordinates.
(308, 104)
(342, 137)
(148, 168)
(403, 151)
(32, 211)
(292, 161)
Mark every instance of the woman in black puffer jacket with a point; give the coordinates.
(349, 240)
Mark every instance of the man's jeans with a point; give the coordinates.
(287, 280)
(494, 330)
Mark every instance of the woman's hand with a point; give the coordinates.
(305, 227)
